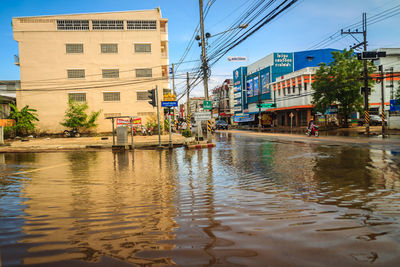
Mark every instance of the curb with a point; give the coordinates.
(199, 146)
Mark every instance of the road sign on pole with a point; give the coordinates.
(207, 104)
(169, 103)
(202, 116)
(269, 105)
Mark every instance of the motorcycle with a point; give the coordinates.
(312, 131)
(71, 133)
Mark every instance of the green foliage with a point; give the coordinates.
(152, 123)
(76, 117)
(340, 83)
(187, 133)
(397, 92)
(24, 119)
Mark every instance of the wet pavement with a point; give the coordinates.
(251, 201)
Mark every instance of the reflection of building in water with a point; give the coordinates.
(88, 207)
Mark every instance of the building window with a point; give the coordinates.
(73, 25)
(109, 48)
(144, 73)
(142, 48)
(108, 24)
(76, 74)
(110, 73)
(74, 48)
(141, 25)
(111, 96)
(77, 97)
(142, 95)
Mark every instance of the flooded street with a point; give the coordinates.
(247, 202)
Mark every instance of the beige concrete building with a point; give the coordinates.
(109, 60)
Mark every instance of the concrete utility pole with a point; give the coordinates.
(158, 118)
(259, 101)
(204, 61)
(187, 92)
(365, 89)
(382, 100)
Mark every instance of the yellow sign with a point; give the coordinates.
(6, 122)
(169, 97)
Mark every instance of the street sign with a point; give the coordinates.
(370, 55)
(169, 97)
(270, 105)
(237, 58)
(202, 116)
(291, 115)
(207, 104)
(169, 103)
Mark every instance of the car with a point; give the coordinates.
(221, 125)
(375, 120)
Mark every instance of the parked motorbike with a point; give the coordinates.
(71, 133)
(312, 131)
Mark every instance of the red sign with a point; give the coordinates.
(135, 121)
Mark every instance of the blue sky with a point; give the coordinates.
(304, 25)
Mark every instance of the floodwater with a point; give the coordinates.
(247, 202)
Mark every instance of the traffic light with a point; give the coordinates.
(152, 96)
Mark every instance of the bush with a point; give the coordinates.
(76, 117)
(24, 120)
(187, 133)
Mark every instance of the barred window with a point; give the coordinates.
(142, 95)
(144, 73)
(141, 24)
(108, 24)
(74, 48)
(142, 48)
(110, 73)
(76, 74)
(109, 48)
(111, 96)
(74, 25)
(78, 97)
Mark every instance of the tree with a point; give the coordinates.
(24, 119)
(76, 117)
(340, 83)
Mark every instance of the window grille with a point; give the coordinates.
(74, 48)
(108, 24)
(78, 97)
(141, 24)
(144, 73)
(142, 95)
(111, 96)
(142, 48)
(74, 25)
(109, 48)
(76, 74)
(110, 73)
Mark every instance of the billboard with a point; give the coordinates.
(265, 81)
(255, 86)
(250, 88)
(244, 118)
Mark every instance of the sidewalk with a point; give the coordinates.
(328, 140)
(66, 144)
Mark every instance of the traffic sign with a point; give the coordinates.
(270, 105)
(207, 104)
(202, 116)
(169, 103)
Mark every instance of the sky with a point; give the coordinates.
(300, 28)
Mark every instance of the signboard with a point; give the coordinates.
(244, 118)
(127, 122)
(207, 104)
(250, 88)
(169, 97)
(255, 86)
(394, 105)
(331, 110)
(237, 95)
(169, 103)
(269, 105)
(202, 116)
(6, 122)
(237, 58)
(265, 83)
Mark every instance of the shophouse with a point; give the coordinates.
(258, 84)
(109, 60)
(223, 101)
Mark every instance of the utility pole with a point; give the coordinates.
(365, 89)
(187, 92)
(204, 61)
(259, 101)
(382, 100)
(173, 86)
